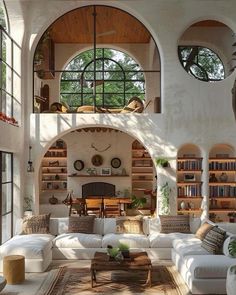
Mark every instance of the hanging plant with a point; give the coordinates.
(162, 162)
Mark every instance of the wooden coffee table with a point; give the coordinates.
(137, 262)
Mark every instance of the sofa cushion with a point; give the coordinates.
(214, 240)
(203, 230)
(78, 241)
(64, 222)
(133, 240)
(176, 223)
(189, 246)
(36, 224)
(208, 266)
(81, 224)
(110, 225)
(32, 246)
(129, 225)
(161, 240)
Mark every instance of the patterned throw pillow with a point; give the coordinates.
(129, 225)
(173, 224)
(203, 230)
(81, 224)
(36, 224)
(214, 240)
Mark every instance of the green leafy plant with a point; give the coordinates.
(113, 252)
(165, 201)
(123, 247)
(137, 202)
(232, 248)
(162, 162)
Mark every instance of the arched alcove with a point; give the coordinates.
(69, 167)
(189, 180)
(222, 183)
(56, 47)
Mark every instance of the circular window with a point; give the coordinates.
(203, 56)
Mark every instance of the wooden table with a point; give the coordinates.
(137, 261)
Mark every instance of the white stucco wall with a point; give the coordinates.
(193, 111)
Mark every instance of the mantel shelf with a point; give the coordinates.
(81, 175)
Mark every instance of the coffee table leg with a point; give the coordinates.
(93, 277)
(149, 278)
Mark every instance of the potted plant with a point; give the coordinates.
(162, 162)
(232, 248)
(124, 249)
(28, 205)
(165, 200)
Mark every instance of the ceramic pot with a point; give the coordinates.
(53, 200)
(223, 177)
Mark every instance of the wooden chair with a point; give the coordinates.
(93, 206)
(112, 207)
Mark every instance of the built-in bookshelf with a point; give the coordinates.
(222, 184)
(54, 169)
(189, 180)
(143, 175)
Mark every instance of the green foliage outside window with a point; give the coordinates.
(202, 63)
(118, 78)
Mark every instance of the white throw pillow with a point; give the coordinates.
(226, 246)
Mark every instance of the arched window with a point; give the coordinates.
(202, 63)
(118, 78)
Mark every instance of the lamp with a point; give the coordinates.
(30, 167)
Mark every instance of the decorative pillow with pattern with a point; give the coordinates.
(214, 240)
(36, 224)
(174, 224)
(129, 225)
(203, 230)
(81, 224)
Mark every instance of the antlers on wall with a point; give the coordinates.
(103, 150)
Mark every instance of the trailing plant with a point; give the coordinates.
(165, 200)
(162, 162)
(232, 248)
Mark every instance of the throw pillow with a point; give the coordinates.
(214, 240)
(227, 245)
(203, 230)
(36, 224)
(173, 224)
(81, 224)
(129, 225)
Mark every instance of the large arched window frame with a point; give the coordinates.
(114, 85)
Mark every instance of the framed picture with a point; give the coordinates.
(189, 177)
(105, 171)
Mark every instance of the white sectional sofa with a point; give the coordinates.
(202, 272)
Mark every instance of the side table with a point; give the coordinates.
(14, 269)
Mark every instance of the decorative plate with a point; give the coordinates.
(115, 162)
(79, 165)
(97, 160)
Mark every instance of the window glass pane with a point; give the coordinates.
(72, 100)
(3, 22)
(6, 103)
(68, 86)
(6, 49)
(114, 87)
(6, 227)
(6, 197)
(6, 167)
(114, 100)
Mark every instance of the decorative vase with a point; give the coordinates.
(125, 253)
(182, 205)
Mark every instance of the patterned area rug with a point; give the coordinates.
(64, 281)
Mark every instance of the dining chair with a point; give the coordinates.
(112, 207)
(93, 206)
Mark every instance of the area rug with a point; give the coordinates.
(64, 281)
